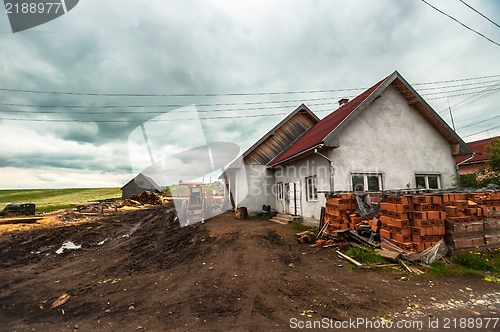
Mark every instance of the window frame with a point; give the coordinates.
(365, 181)
(426, 179)
(279, 192)
(312, 196)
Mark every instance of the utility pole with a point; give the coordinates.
(451, 116)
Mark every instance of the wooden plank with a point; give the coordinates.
(391, 255)
(362, 239)
(406, 266)
(20, 220)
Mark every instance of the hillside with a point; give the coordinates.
(52, 199)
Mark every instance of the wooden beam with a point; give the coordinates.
(455, 149)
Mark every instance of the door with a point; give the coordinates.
(288, 196)
(294, 197)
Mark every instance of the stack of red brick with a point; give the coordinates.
(413, 223)
(471, 219)
(339, 212)
(416, 222)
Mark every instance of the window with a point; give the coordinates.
(312, 189)
(366, 182)
(428, 181)
(280, 191)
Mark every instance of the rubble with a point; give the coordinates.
(305, 237)
(144, 198)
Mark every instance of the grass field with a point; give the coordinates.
(47, 200)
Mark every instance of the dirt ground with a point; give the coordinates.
(138, 270)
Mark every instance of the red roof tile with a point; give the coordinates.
(316, 134)
(478, 148)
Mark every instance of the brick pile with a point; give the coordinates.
(472, 219)
(413, 223)
(339, 212)
(417, 222)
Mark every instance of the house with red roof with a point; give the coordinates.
(467, 164)
(386, 138)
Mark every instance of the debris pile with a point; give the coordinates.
(145, 197)
(306, 237)
(71, 216)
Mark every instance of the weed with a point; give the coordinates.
(475, 261)
(301, 228)
(365, 256)
(439, 269)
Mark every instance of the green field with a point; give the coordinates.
(47, 200)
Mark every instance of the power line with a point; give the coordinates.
(228, 104)
(482, 131)
(167, 105)
(475, 123)
(462, 24)
(178, 105)
(176, 95)
(477, 96)
(152, 120)
(456, 86)
(221, 94)
(457, 80)
(478, 12)
(162, 111)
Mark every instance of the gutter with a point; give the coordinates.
(296, 155)
(332, 170)
(464, 161)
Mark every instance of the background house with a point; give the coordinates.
(138, 184)
(467, 165)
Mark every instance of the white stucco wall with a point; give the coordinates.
(394, 139)
(299, 171)
(253, 188)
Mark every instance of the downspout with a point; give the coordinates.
(464, 161)
(332, 171)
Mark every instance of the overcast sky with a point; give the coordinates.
(224, 48)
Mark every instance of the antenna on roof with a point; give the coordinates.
(451, 115)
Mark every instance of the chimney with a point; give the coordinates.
(343, 101)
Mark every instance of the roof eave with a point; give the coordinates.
(302, 107)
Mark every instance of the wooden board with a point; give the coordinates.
(20, 220)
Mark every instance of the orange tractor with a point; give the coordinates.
(196, 207)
